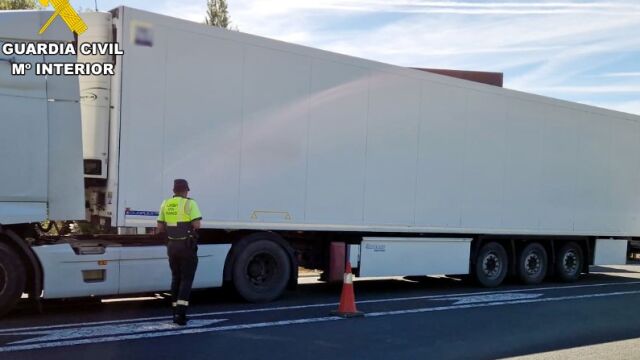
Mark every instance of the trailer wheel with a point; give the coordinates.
(261, 271)
(12, 278)
(532, 264)
(569, 262)
(491, 265)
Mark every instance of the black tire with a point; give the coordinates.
(261, 271)
(532, 264)
(569, 262)
(492, 264)
(12, 278)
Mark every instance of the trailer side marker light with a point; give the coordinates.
(257, 213)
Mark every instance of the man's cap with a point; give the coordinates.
(180, 185)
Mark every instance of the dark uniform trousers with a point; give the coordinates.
(183, 260)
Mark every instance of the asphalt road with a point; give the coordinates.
(439, 318)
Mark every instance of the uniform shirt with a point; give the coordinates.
(177, 213)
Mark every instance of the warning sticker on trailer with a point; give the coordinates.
(376, 247)
(142, 34)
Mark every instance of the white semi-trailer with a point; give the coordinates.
(297, 157)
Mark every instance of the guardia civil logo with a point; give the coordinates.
(68, 14)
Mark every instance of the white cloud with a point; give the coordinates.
(631, 107)
(622, 74)
(454, 7)
(543, 47)
(188, 10)
(556, 48)
(595, 89)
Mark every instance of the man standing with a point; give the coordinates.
(179, 220)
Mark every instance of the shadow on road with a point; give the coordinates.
(606, 269)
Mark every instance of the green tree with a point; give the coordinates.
(18, 4)
(217, 14)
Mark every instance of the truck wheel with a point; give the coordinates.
(261, 271)
(569, 262)
(491, 265)
(12, 278)
(532, 264)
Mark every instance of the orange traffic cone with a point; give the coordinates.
(347, 307)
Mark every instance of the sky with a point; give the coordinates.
(586, 51)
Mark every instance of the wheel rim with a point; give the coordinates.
(4, 279)
(261, 269)
(533, 264)
(491, 265)
(570, 262)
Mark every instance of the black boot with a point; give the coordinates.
(175, 313)
(180, 317)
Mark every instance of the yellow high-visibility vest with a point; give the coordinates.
(178, 213)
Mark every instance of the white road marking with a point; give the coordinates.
(489, 298)
(500, 291)
(200, 330)
(61, 326)
(106, 330)
(182, 331)
(307, 306)
(499, 303)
